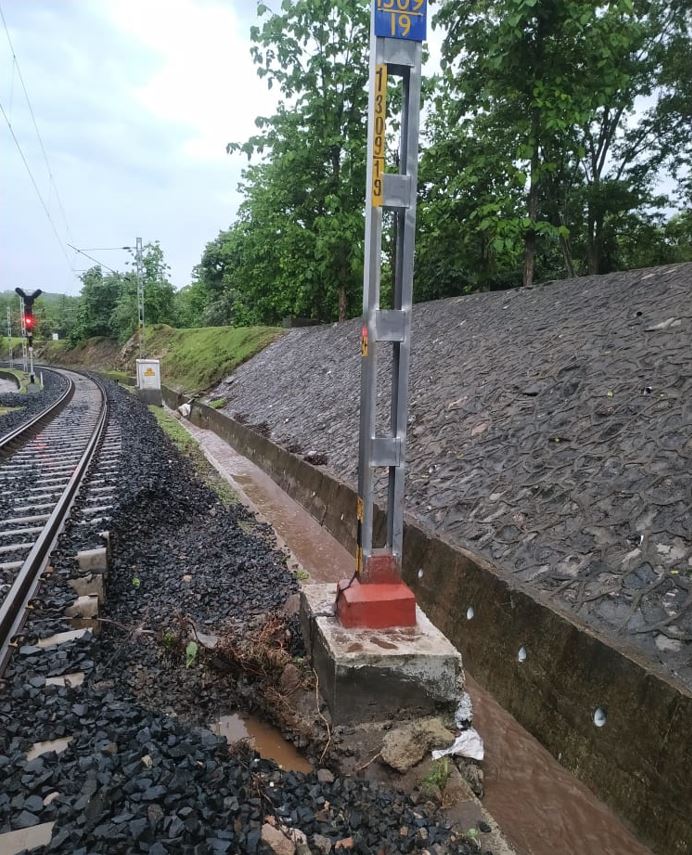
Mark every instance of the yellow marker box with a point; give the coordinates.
(378, 142)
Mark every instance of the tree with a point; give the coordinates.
(98, 299)
(565, 80)
(297, 245)
(159, 295)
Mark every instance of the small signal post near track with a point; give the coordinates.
(377, 597)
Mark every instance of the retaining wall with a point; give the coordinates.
(8, 375)
(639, 762)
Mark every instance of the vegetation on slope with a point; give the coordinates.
(192, 360)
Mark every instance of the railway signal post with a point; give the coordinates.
(9, 336)
(377, 596)
(28, 323)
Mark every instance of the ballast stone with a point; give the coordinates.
(373, 675)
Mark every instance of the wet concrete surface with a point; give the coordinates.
(539, 805)
(7, 386)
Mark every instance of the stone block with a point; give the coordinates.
(150, 396)
(90, 560)
(373, 675)
(83, 607)
(91, 585)
(106, 538)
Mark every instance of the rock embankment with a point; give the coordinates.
(550, 430)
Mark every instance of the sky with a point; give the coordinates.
(135, 101)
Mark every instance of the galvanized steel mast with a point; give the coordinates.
(397, 32)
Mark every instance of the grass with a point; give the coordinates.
(5, 410)
(438, 776)
(195, 359)
(217, 403)
(189, 447)
(117, 376)
(192, 360)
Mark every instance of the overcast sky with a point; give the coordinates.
(135, 101)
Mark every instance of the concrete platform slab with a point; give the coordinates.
(371, 675)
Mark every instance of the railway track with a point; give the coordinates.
(43, 467)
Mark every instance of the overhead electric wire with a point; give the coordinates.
(33, 119)
(91, 257)
(38, 192)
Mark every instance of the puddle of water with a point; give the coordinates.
(540, 806)
(265, 739)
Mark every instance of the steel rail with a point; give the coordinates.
(26, 429)
(13, 607)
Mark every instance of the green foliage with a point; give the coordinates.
(191, 651)
(439, 774)
(217, 403)
(108, 302)
(54, 313)
(296, 248)
(195, 359)
(589, 103)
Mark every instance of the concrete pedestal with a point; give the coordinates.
(375, 674)
(150, 396)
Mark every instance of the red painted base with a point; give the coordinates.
(375, 606)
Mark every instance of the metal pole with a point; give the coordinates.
(9, 335)
(22, 328)
(395, 52)
(140, 295)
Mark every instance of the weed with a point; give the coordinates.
(472, 835)
(136, 582)
(438, 776)
(302, 575)
(191, 652)
(217, 403)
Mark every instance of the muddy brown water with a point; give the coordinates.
(265, 739)
(540, 807)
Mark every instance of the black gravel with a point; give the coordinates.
(141, 773)
(30, 403)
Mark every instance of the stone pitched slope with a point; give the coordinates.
(550, 431)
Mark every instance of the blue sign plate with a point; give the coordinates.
(401, 19)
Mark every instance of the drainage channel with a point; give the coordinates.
(539, 805)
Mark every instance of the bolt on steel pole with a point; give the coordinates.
(397, 32)
(140, 295)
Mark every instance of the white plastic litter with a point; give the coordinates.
(184, 410)
(469, 743)
(464, 712)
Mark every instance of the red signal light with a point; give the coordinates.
(28, 321)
